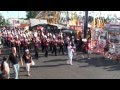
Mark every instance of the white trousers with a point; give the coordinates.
(70, 57)
(28, 67)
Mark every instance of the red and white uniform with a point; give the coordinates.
(54, 42)
(61, 42)
(17, 42)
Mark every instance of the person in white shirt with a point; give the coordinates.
(70, 54)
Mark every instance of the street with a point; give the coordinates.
(55, 67)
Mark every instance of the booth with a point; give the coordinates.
(113, 30)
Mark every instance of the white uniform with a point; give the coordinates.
(70, 54)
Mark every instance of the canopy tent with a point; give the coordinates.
(34, 22)
(69, 31)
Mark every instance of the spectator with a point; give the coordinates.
(27, 59)
(14, 59)
(5, 69)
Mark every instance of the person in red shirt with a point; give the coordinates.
(42, 44)
(22, 42)
(17, 44)
(61, 44)
(8, 40)
(54, 44)
(50, 43)
(46, 43)
(12, 42)
(25, 44)
(36, 48)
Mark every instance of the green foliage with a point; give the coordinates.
(31, 14)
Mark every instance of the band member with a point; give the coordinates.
(25, 44)
(42, 44)
(8, 40)
(29, 43)
(54, 43)
(12, 42)
(46, 46)
(61, 43)
(50, 43)
(22, 43)
(17, 44)
(36, 48)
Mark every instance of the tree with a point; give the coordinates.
(90, 19)
(31, 14)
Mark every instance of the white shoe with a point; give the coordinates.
(68, 62)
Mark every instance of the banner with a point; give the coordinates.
(35, 22)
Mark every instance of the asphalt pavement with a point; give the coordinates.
(55, 67)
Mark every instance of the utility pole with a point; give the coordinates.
(85, 24)
(18, 14)
(67, 18)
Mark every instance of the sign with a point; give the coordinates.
(34, 22)
(43, 22)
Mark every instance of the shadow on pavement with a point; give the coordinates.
(107, 64)
(55, 60)
(49, 65)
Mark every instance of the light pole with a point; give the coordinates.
(85, 24)
(67, 18)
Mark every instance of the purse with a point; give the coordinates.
(32, 63)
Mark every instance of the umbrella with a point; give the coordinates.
(69, 31)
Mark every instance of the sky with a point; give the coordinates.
(22, 14)
(13, 14)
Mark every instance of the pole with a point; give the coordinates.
(85, 24)
(18, 14)
(67, 18)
